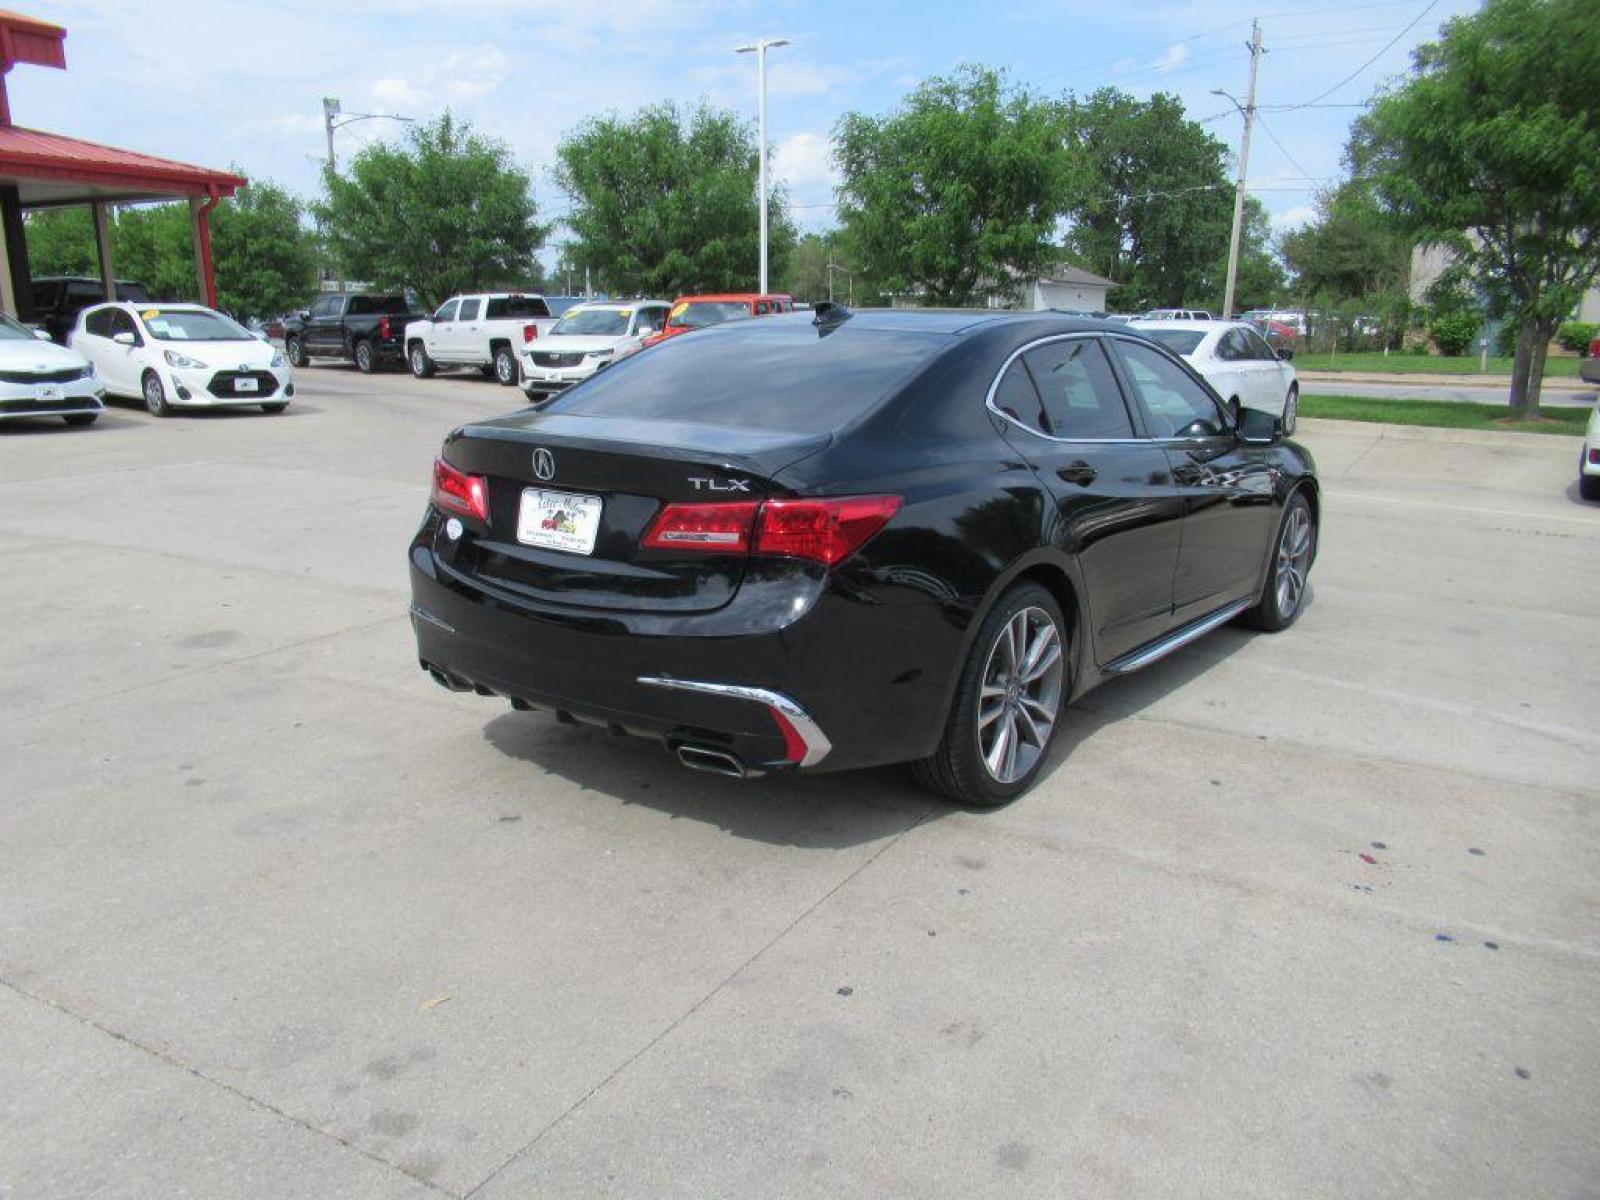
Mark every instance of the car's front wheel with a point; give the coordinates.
(505, 366)
(155, 396)
(1008, 704)
(296, 350)
(1292, 555)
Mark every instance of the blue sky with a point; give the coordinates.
(235, 82)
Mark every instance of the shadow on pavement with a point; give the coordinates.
(807, 811)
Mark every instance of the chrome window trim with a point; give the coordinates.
(994, 386)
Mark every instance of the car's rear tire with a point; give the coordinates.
(505, 367)
(1017, 678)
(1291, 409)
(155, 396)
(276, 407)
(296, 350)
(366, 357)
(1294, 548)
(421, 365)
(80, 418)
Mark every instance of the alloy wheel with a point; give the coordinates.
(1019, 697)
(505, 367)
(1294, 559)
(1291, 409)
(155, 398)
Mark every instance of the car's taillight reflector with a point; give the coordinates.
(456, 492)
(827, 529)
(383, 328)
(529, 332)
(1594, 457)
(708, 528)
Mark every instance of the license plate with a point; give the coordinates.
(552, 376)
(558, 521)
(46, 392)
(247, 385)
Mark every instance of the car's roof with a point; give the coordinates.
(1194, 326)
(727, 297)
(593, 304)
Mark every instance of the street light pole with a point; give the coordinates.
(330, 114)
(759, 48)
(1248, 111)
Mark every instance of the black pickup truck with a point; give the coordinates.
(365, 329)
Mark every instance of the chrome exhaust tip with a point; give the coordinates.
(717, 762)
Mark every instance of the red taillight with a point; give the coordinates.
(383, 328)
(529, 332)
(708, 528)
(456, 492)
(826, 530)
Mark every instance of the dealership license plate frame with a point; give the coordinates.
(580, 510)
(247, 384)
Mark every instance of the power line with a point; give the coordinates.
(1163, 45)
(1432, 4)
(1266, 129)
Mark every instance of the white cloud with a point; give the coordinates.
(1293, 218)
(1175, 55)
(805, 162)
(394, 93)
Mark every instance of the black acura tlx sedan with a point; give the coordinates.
(854, 539)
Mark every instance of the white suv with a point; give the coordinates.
(587, 338)
(485, 330)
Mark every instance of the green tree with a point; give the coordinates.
(806, 277)
(1158, 210)
(154, 245)
(664, 202)
(959, 192)
(61, 242)
(265, 257)
(1489, 147)
(1352, 248)
(447, 211)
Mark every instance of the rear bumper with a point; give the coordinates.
(848, 682)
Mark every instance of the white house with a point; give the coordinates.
(1429, 262)
(1067, 287)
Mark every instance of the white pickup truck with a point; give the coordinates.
(487, 330)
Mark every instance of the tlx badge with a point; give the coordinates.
(706, 484)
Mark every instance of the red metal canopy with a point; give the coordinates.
(30, 154)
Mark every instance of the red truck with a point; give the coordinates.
(689, 313)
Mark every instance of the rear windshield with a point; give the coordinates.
(767, 375)
(366, 306)
(1179, 341)
(707, 312)
(595, 322)
(512, 307)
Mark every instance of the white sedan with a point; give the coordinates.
(181, 355)
(1589, 458)
(1236, 361)
(41, 379)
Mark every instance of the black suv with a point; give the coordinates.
(58, 299)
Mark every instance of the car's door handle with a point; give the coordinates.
(1080, 473)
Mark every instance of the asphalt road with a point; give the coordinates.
(1312, 915)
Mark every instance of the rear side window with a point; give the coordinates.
(516, 308)
(1019, 399)
(1079, 394)
(469, 309)
(325, 307)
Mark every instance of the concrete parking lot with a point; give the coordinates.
(1307, 915)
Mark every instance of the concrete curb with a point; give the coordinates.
(1494, 382)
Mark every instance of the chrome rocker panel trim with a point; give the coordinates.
(816, 742)
(1175, 640)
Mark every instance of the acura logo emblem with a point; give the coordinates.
(544, 464)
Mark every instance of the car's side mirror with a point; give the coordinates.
(1258, 428)
(42, 334)
(124, 339)
(1285, 352)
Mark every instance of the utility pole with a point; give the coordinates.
(1248, 111)
(759, 48)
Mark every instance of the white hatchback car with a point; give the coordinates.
(41, 379)
(587, 338)
(1236, 361)
(181, 355)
